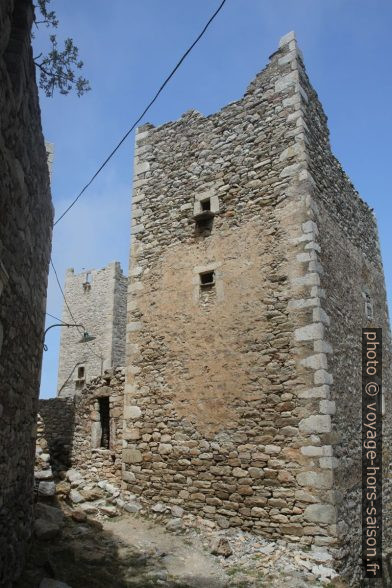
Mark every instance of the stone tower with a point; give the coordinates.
(97, 299)
(254, 266)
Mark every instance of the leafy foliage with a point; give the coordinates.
(48, 16)
(59, 67)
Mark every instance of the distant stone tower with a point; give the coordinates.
(97, 299)
(254, 266)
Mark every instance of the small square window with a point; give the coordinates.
(207, 279)
(205, 205)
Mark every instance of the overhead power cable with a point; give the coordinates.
(56, 318)
(69, 377)
(143, 113)
(62, 292)
(165, 82)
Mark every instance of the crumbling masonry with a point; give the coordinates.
(254, 266)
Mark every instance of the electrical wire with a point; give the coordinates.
(166, 81)
(62, 292)
(109, 157)
(56, 318)
(69, 377)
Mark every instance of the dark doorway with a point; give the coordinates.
(104, 413)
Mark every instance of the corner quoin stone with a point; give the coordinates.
(319, 423)
(318, 480)
(309, 332)
(320, 513)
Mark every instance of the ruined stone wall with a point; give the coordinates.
(57, 427)
(220, 415)
(44, 484)
(348, 249)
(97, 299)
(72, 429)
(25, 241)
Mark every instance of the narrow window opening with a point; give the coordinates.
(207, 279)
(81, 373)
(104, 414)
(205, 205)
(204, 217)
(368, 307)
(87, 282)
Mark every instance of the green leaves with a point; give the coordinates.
(59, 67)
(48, 16)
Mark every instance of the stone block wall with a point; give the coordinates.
(346, 247)
(234, 407)
(119, 318)
(72, 429)
(57, 427)
(44, 484)
(25, 242)
(97, 299)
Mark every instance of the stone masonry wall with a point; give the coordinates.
(120, 318)
(219, 413)
(72, 429)
(347, 248)
(57, 427)
(97, 299)
(25, 241)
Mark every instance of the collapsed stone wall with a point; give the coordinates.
(25, 241)
(219, 401)
(73, 430)
(44, 480)
(98, 302)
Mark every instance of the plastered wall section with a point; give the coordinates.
(219, 397)
(97, 300)
(25, 242)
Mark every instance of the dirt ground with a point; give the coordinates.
(130, 551)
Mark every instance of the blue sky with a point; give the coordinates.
(130, 46)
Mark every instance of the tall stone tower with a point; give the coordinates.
(254, 266)
(97, 299)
